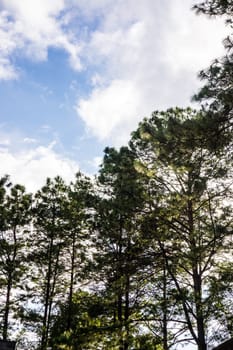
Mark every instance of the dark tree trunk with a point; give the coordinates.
(44, 336)
(7, 308)
(11, 268)
(70, 301)
(165, 337)
(197, 282)
(199, 312)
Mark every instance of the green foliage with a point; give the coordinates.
(190, 182)
(216, 94)
(151, 235)
(215, 8)
(147, 235)
(91, 324)
(15, 214)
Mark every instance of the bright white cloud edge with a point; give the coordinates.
(30, 167)
(151, 60)
(144, 56)
(30, 28)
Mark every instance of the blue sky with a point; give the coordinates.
(76, 76)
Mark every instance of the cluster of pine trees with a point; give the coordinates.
(141, 256)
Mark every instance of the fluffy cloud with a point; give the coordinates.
(104, 108)
(140, 55)
(30, 28)
(149, 56)
(31, 166)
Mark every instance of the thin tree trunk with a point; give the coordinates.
(179, 289)
(197, 283)
(7, 308)
(47, 297)
(120, 292)
(70, 301)
(199, 311)
(52, 292)
(165, 337)
(9, 286)
(126, 315)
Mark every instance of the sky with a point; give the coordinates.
(79, 75)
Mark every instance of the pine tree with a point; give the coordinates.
(15, 216)
(216, 94)
(119, 255)
(49, 242)
(191, 186)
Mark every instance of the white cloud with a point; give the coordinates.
(7, 71)
(109, 107)
(8, 43)
(192, 41)
(29, 140)
(143, 55)
(149, 56)
(31, 166)
(30, 28)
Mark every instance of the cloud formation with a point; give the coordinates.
(33, 163)
(139, 55)
(30, 28)
(149, 57)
